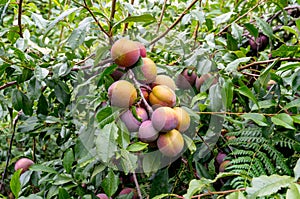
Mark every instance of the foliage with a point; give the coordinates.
(55, 69)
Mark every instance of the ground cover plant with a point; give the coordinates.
(149, 99)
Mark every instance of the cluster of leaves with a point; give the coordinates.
(55, 71)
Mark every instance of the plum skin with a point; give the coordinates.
(170, 143)
(184, 119)
(147, 72)
(164, 119)
(125, 52)
(162, 95)
(131, 122)
(147, 133)
(164, 80)
(24, 164)
(122, 94)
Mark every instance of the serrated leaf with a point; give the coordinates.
(268, 185)
(106, 145)
(42, 168)
(128, 161)
(110, 183)
(244, 90)
(257, 118)
(231, 67)
(137, 146)
(264, 26)
(284, 120)
(58, 19)
(15, 183)
(293, 192)
(285, 51)
(297, 170)
(151, 162)
(196, 186)
(105, 116)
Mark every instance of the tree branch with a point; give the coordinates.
(8, 84)
(112, 16)
(218, 192)
(126, 24)
(20, 18)
(174, 24)
(137, 185)
(267, 62)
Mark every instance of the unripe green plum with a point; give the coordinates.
(164, 119)
(24, 164)
(162, 95)
(143, 51)
(147, 133)
(122, 94)
(200, 80)
(125, 52)
(186, 79)
(102, 196)
(170, 143)
(130, 119)
(165, 80)
(184, 119)
(127, 191)
(147, 72)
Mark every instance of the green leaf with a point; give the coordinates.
(268, 185)
(227, 94)
(128, 161)
(58, 19)
(62, 93)
(231, 67)
(78, 35)
(63, 194)
(257, 118)
(263, 104)
(151, 162)
(285, 51)
(17, 99)
(40, 73)
(215, 98)
(105, 116)
(232, 43)
(264, 26)
(42, 106)
(284, 120)
(110, 183)
(68, 160)
(15, 183)
(244, 90)
(160, 183)
(296, 119)
(27, 105)
(293, 191)
(236, 195)
(106, 145)
(189, 143)
(140, 18)
(297, 170)
(252, 29)
(265, 75)
(137, 146)
(42, 168)
(292, 104)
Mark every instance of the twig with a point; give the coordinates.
(233, 113)
(20, 18)
(240, 17)
(218, 192)
(13, 129)
(267, 61)
(174, 24)
(84, 60)
(195, 34)
(126, 24)
(138, 85)
(96, 20)
(137, 185)
(8, 84)
(270, 19)
(112, 16)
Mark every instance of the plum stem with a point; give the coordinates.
(137, 185)
(138, 86)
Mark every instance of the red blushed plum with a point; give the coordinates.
(184, 119)
(171, 143)
(130, 119)
(147, 72)
(186, 79)
(147, 133)
(200, 80)
(165, 80)
(127, 191)
(125, 52)
(122, 94)
(220, 157)
(143, 51)
(24, 164)
(102, 196)
(223, 165)
(118, 73)
(162, 96)
(164, 119)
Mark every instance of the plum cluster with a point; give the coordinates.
(149, 99)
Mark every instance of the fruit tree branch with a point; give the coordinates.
(137, 185)
(209, 193)
(174, 24)
(112, 16)
(20, 18)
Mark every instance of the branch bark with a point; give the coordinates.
(20, 18)
(174, 24)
